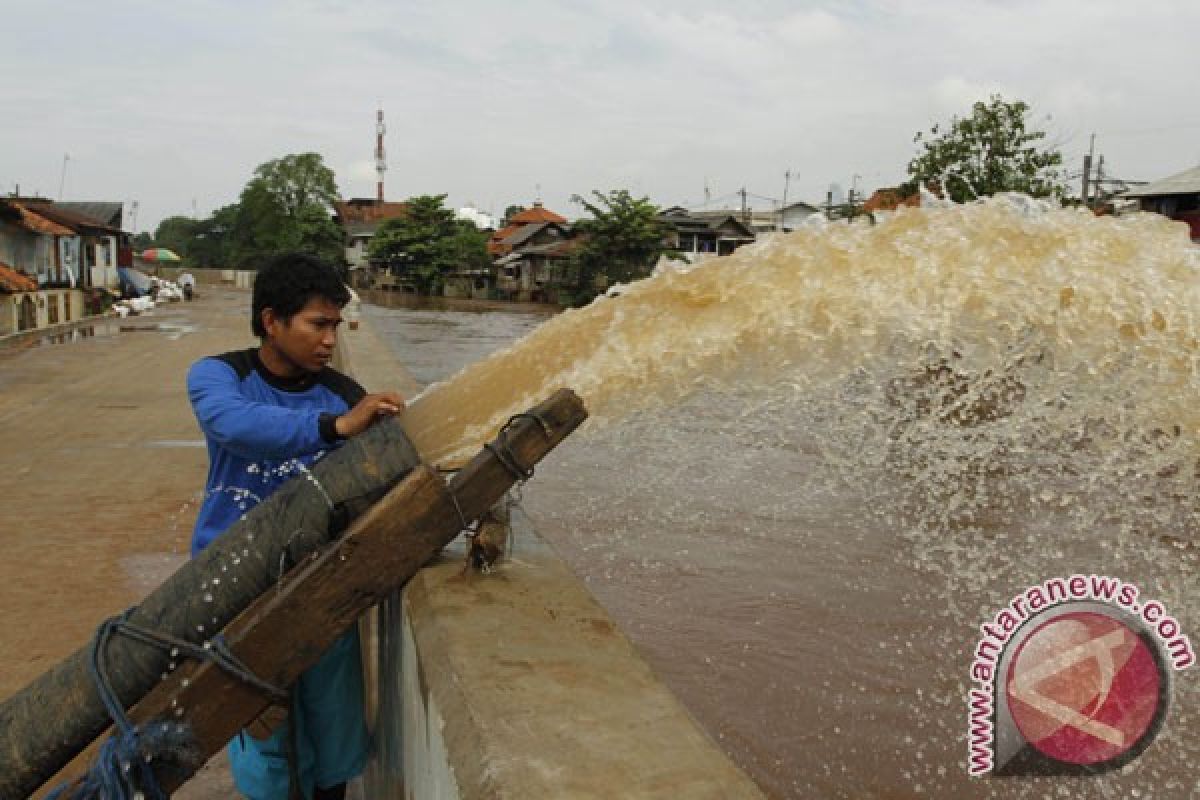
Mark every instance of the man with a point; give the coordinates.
(266, 412)
(188, 284)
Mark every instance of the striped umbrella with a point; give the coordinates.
(159, 255)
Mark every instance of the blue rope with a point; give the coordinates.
(123, 770)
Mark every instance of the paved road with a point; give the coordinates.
(101, 469)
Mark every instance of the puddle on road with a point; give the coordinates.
(100, 330)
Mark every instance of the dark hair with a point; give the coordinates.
(288, 281)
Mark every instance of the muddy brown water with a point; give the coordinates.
(804, 553)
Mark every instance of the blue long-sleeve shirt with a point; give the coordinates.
(259, 429)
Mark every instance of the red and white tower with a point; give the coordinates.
(380, 160)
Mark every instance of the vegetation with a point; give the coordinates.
(988, 152)
(286, 205)
(621, 242)
(427, 244)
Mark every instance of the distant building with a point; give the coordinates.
(1177, 197)
(793, 215)
(48, 256)
(890, 198)
(480, 219)
(360, 218)
(532, 257)
(698, 235)
(99, 246)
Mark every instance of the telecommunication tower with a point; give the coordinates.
(380, 159)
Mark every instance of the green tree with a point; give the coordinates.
(427, 244)
(213, 243)
(175, 233)
(287, 205)
(512, 211)
(988, 152)
(622, 241)
(142, 240)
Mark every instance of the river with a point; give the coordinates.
(805, 533)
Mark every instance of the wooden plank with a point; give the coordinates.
(288, 628)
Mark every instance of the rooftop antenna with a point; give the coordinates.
(380, 158)
(133, 209)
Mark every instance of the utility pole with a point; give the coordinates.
(745, 211)
(63, 180)
(1087, 172)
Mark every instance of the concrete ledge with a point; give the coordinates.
(516, 684)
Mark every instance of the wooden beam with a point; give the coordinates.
(287, 629)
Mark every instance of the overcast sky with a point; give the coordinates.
(173, 104)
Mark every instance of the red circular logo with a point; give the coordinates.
(1084, 688)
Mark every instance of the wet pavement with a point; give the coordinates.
(101, 468)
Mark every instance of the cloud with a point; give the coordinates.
(485, 101)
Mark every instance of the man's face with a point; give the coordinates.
(306, 341)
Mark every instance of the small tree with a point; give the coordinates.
(988, 152)
(621, 242)
(427, 243)
(512, 211)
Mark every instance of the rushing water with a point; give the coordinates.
(816, 466)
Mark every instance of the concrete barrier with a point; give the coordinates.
(516, 684)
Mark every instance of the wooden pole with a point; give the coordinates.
(46, 724)
(288, 629)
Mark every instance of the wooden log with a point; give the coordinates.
(46, 724)
(288, 629)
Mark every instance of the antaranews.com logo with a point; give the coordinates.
(1072, 678)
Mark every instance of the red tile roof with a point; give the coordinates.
(33, 221)
(13, 281)
(536, 214)
(891, 199)
(358, 211)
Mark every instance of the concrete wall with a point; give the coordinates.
(51, 307)
(205, 276)
(516, 684)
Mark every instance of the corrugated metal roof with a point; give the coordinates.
(107, 212)
(1186, 182)
(70, 219)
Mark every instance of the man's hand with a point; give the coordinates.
(369, 409)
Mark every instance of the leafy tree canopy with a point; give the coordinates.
(988, 152)
(427, 244)
(512, 211)
(623, 239)
(175, 233)
(286, 205)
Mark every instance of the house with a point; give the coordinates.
(532, 257)
(18, 301)
(39, 261)
(890, 198)
(360, 218)
(793, 215)
(698, 235)
(100, 246)
(1177, 197)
